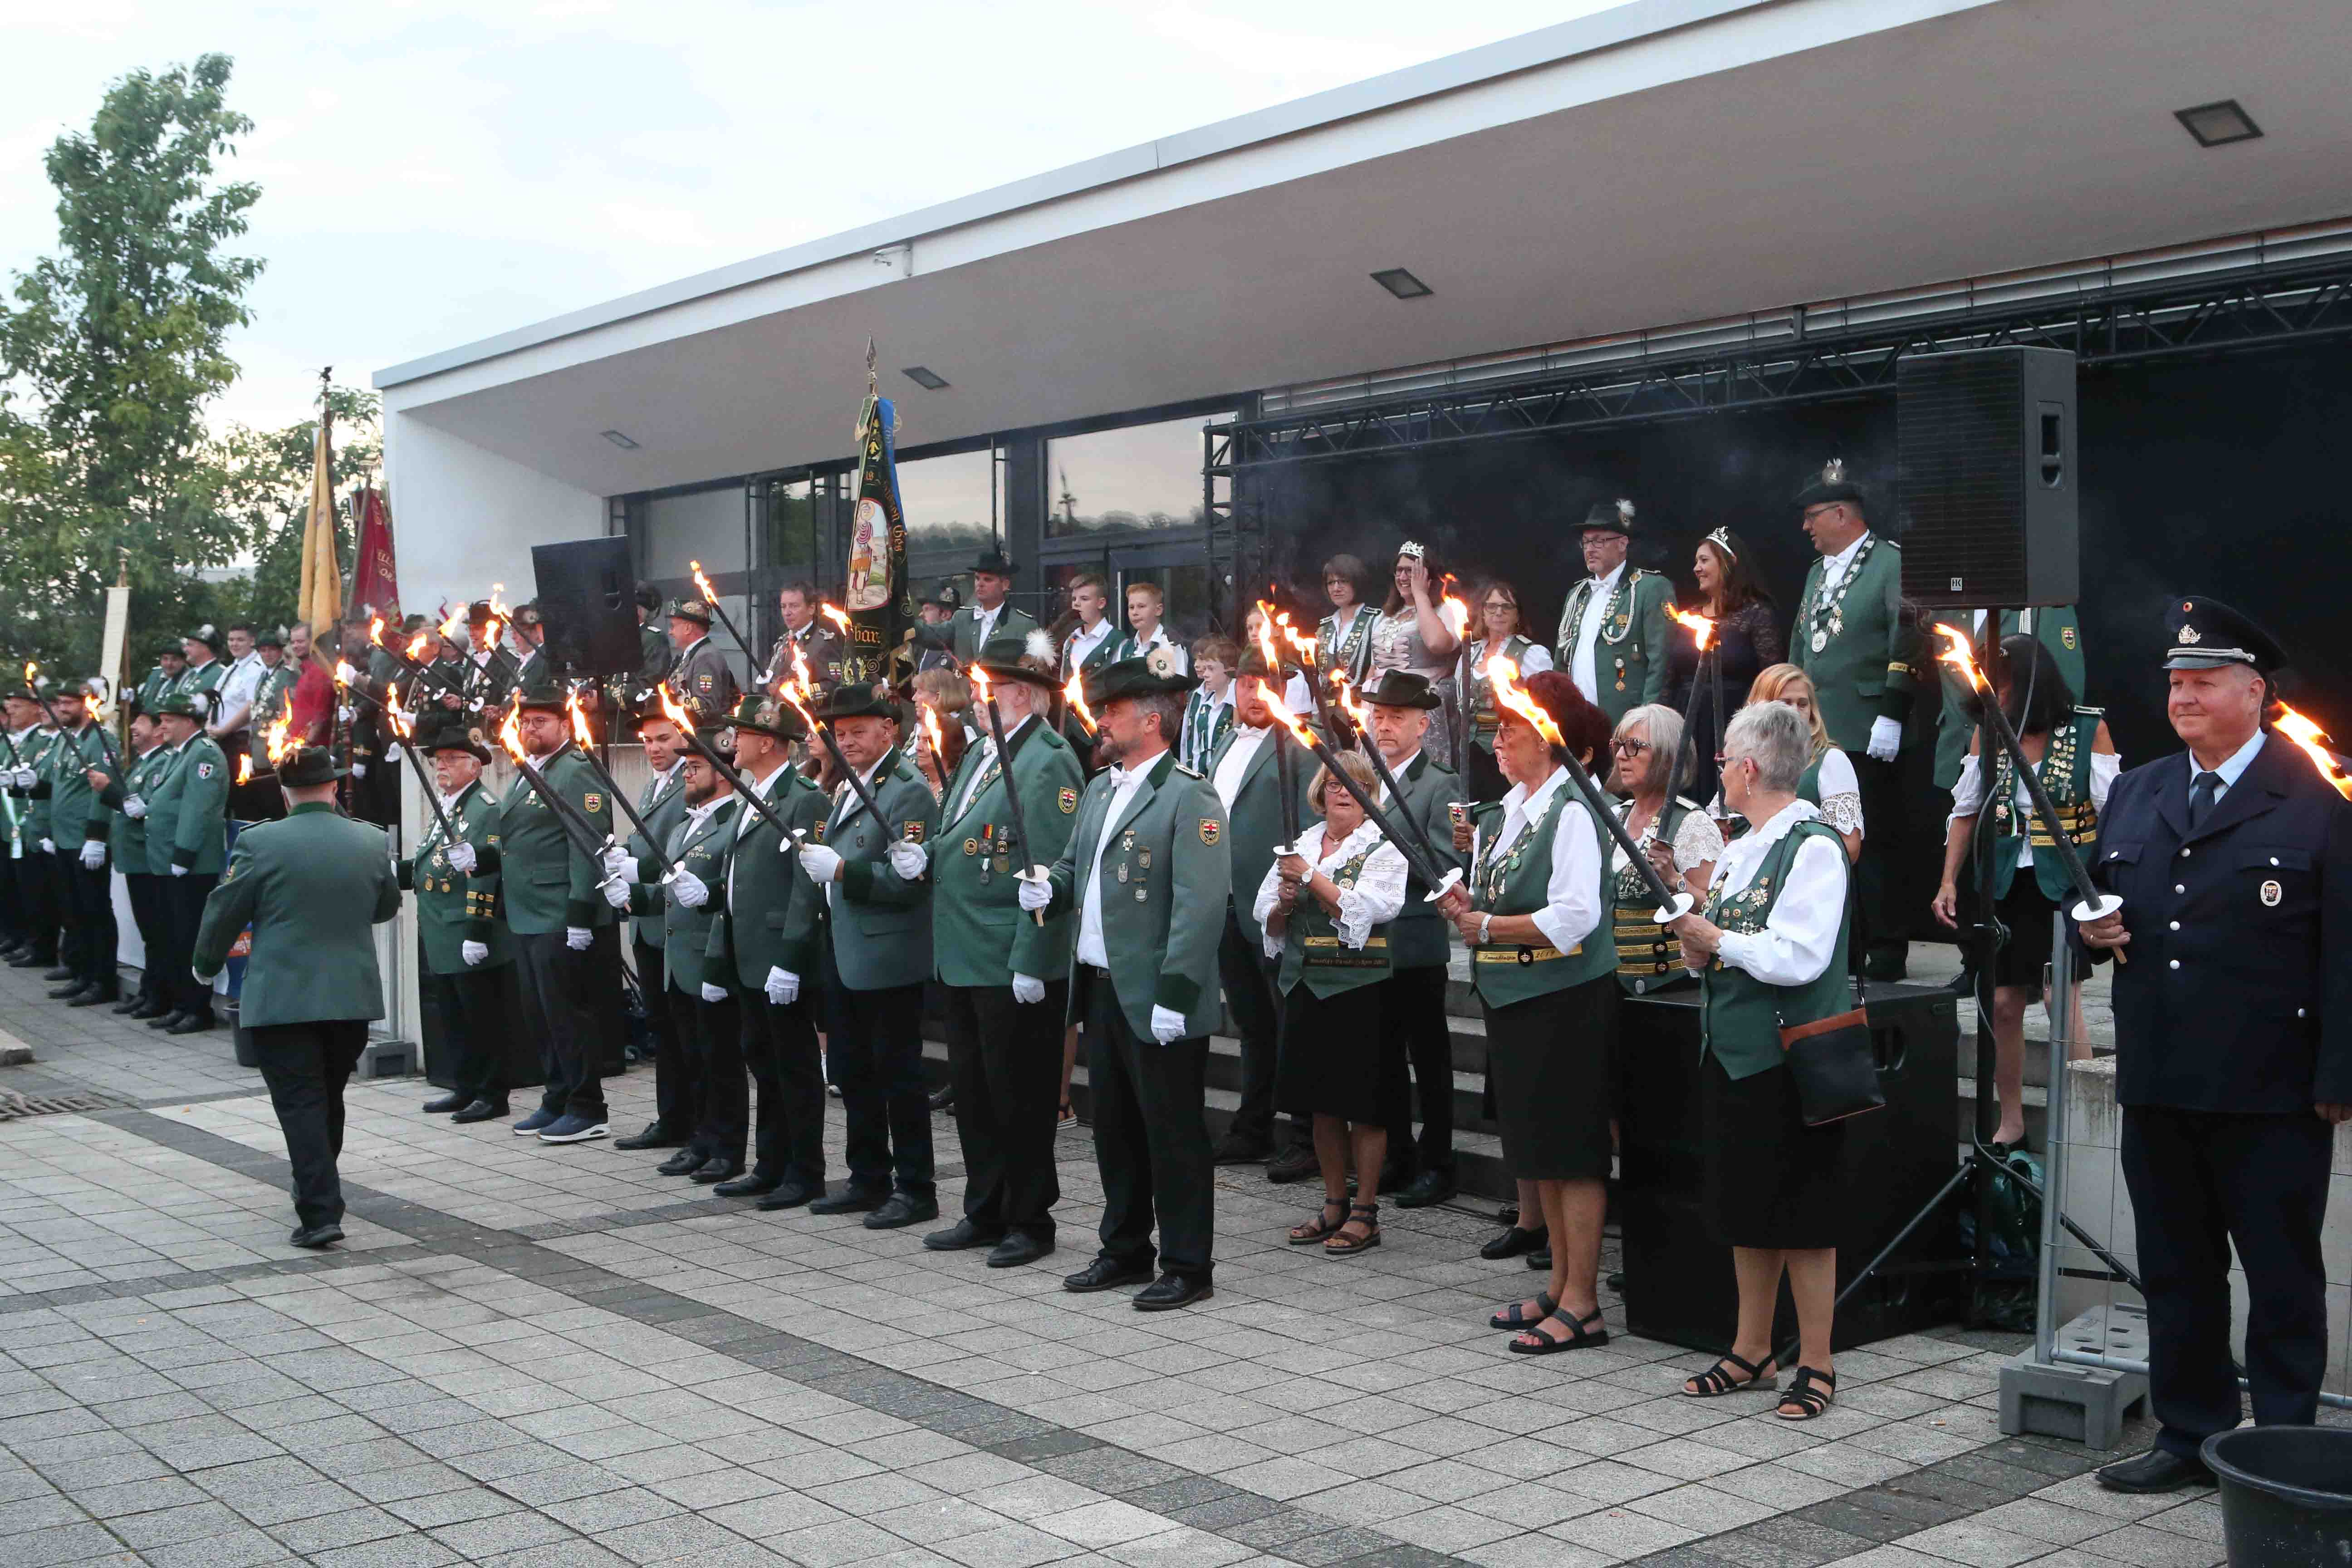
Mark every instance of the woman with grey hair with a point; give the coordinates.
(1773, 948)
(1679, 838)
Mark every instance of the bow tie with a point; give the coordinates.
(1120, 777)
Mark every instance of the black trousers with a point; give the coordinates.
(1878, 925)
(472, 1004)
(2200, 1181)
(38, 886)
(16, 914)
(147, 914)
(715, 1032)
(678, 1091)
(183, 898)
(779, 1047)
(1151, 1141)
(1413, 1013)
(89, 893)
(556, 1003)
(1004, 1058)
(306, 1066)
(1247, 975)
(874, 1049)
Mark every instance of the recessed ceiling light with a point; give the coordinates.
(1402, 284)
(2217, 124)
(928, 379)
(620, 440)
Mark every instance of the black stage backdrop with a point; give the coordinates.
(2216, 477)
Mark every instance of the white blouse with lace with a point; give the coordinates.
(1696, 843)
(1967, 794)
(1376, 898)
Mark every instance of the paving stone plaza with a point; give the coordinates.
(529, 1355)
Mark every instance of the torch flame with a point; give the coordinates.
(1956, 655)
(1504, 675)
(832, 612)
(344, 673)
(801, 672)
(402, 724)
(1456, 615)
(274, 740)
(931, 728)
(1701, 627)
(511, 733)
(677, 714)
(1075, 694)
(2312, 741)
(1301, 643)
(579, 720)
(498, 606)
(981, 687)
(31, 669)
(454, 629)
(416, 648)
(375, 631)
(710, 593)
(1282, 713)
(1342, 694)
(1268, 649)
(245, 768)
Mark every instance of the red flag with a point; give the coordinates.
(376, 584)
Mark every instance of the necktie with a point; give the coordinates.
(2200, 798)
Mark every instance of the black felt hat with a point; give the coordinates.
(945, 595)
(649, 596)
(1137, 677)
(857, 699)
(270, 636)
(307, 765)
(996, 563)
(1829, 485)
(1400, 689)
(198, 705)
(693, 610)
(478, 614)
(2206, 634)
(208, 635)
(453, 732)
(770, 716)
(1002, 658)
(1609, 517)
(545, 693)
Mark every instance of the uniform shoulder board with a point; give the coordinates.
(1894, 544)
(2084, 710)
(1687, 803)
(1189, 772)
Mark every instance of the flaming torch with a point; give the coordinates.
(1345, 698)
(710, 597)
(986, 689)
(1710, 659)
(575, 826)
(33, 691)
(1074, 694)
(684, 720)
(404, 729)
(585, 742)
(2092, 906)
(2313, 741)
(1503, 673)
(1408, 846)
(937, 742)
(1456, 617)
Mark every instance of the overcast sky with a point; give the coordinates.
(433, 172)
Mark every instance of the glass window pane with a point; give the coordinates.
(947, 502)
(1132, 480)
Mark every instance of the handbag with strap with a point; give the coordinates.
(1832, 1062)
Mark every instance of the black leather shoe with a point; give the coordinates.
(447, 1104)
(317, 1235)
(190, 1024)
(717, 1169)
(1513, 1242)
(1395, 1176)
(1017, 1248)
(1107, 1274)
(900, 1211)
(1236, 1151)
(1431, 1186)
(93, 996)
(57, 972)
(684, 1160)
(1171, 1291)
(961, 1236)
(790, 1195)
(1292, 1165)
(149, 1009)
(483, 1111)
(67, 993)
(943, 1098)
(749, 1184)
(1540, 1259)
(654, 1136)
(31, 961)
(2155, 1471)
(850, 1200)
(166, 1018)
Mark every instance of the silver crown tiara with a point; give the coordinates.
(1413, 548)
(1721, 539)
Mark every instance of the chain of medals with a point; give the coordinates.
(2059, 758)
(1631, 888)
(1827, 613)
(1496, 870)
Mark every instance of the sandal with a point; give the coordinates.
(1809, 1395)
(1716, 1380)
(1517, 1316)
(1309, 1231)
(1535, 1342)
(1069, 1111)
(1343, 1244)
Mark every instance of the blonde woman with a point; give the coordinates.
(1829, 782)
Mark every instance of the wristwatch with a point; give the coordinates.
(1486, 926)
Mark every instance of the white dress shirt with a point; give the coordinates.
(1800, 936)
(2231, 769)
(1834, 567)
(979, 771)
(1083, 643)
(1572, 894)
(984, 623)
(848, 802)
(1125, 781)
(1588, 634)
(1235, 765)
(1134, 646)
(1376, 898)
(239, 686)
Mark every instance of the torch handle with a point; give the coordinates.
(432, 794)
(1396, 792)
(750, 796)
(612, 788)
(583, 836)
(1287, 781)
(1598, 804)
(1012, 795)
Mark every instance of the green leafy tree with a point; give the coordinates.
(263, 485)
(110, 350)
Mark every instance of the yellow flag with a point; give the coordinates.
(321, 601)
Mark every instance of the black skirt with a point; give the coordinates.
(1333, 1053)
(1770, 1179)
(1550, 1063)
(2028, 913)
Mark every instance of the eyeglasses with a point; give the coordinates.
(1625, 747)
(1813, 512)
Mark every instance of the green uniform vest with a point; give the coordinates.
(1649, 956)
(1743, 1016)
(1311, 948)
(1484, 718)
(2065, 773)
(1346, 648)
(702, 849)
(1515, 879)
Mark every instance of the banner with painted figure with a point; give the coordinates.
(877, 597)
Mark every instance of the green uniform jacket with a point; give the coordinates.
(453, 910)
(704, 680)
(2060, 632)
(1166, 875)
(662, 804)
(773, 915)
(1863, 667)
(704, 849)
(312, 887)
(548, 884)
(33, 748)
(881, 922)
(963, 628)
(1630, 655)
(1254, 826)
(979, 934)
(1420, 937)
(276, 688)
(75, 813)
(15, 804)
(187, 805)
(150, 690)
(653, 656)
(1105, 651)
(129, 834)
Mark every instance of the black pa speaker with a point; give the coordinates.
(587, 600)
(1985, 440)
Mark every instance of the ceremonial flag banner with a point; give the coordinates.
(878, 597)
(375, 581)
(321, 603)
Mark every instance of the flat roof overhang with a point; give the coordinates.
(1667, 161)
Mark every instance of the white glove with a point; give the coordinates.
(713, 992)
(783, 986)
(358, 770)
(93, 854)
(621, 863)
(688, 890)
(1167, 1025)
(48, 847)
(461, 858)
(1885, 738)
(577, 938)
(133, 807)
(616, 892)
(907, 861)
(345, 714)
(473, 952)
(206, 980)
(1028, 988)
(24, 778)
(1036, 895)
(178, 870)
(391, 754)
(821, 863)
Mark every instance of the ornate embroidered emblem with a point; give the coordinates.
(2191, 634)
(2272, 894)
(592, 801)
(1067, 800)
(2067, 636)
(1211, 830)
(914, 834)
(971, 846)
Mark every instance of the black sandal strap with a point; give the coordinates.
(1716, 1380)
(1511, 1318)
(1803, 1394)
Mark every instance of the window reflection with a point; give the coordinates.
(1137, 480)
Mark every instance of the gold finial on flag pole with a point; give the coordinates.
(872, 383)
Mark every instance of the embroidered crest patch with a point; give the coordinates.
(2272, 894)
(914, 834)
(1210, 831)
(204, 770)
(592, 801)
(2067, 636)
(1067, 800)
